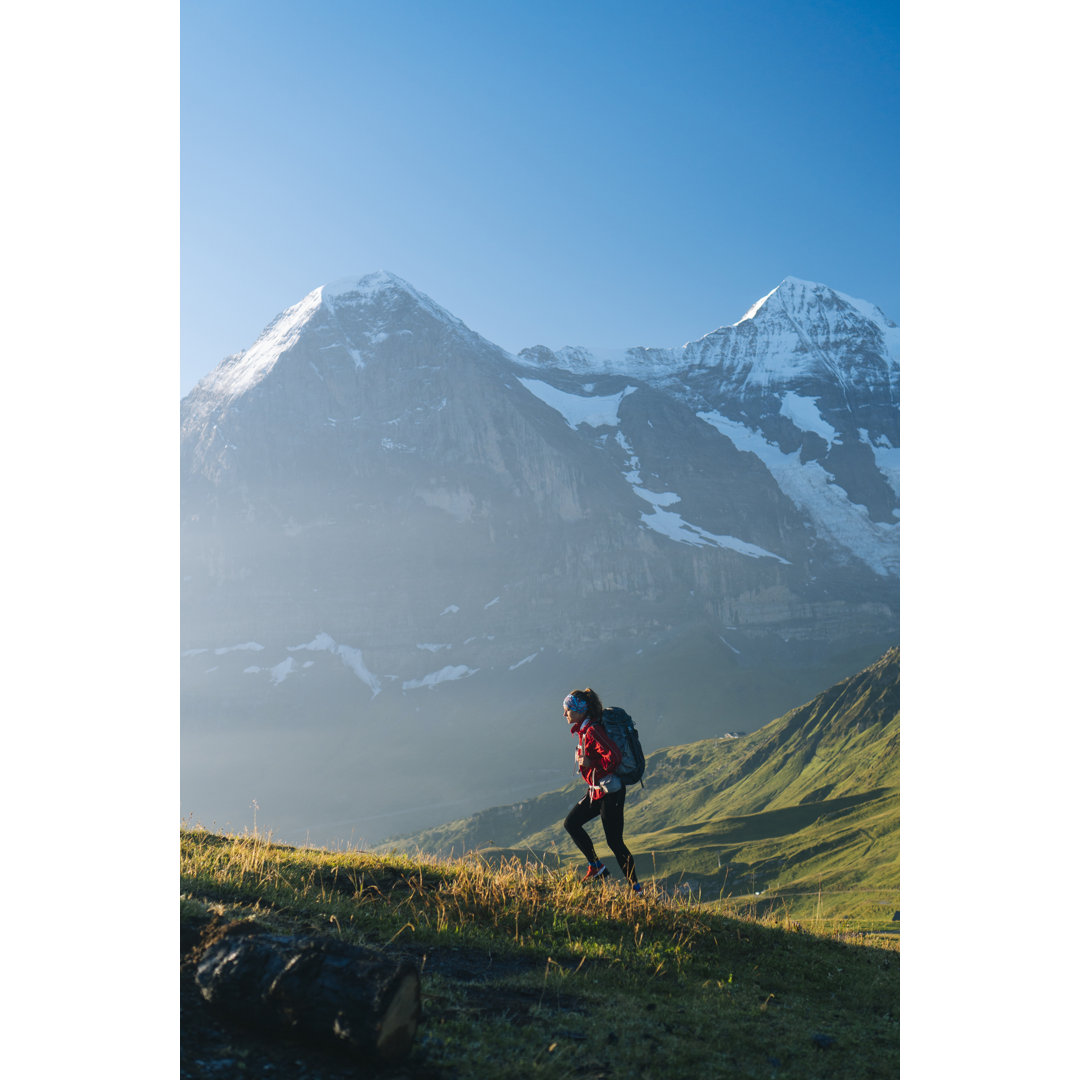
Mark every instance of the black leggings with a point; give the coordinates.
(610, 811)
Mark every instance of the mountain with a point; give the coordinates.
(809, 804)
(400, 544)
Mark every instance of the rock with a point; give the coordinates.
(322, 990)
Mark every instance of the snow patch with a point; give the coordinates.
(672, 525)
(803, 412)
(811, 488)
(528, 659)
(446, 674)
(351, 657)
(601, 411)
(886, 457)
(664, 498)
(280, 672)
(633, 470)
(248, 646)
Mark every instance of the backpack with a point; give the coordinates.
(619, 725)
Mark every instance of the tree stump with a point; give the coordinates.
(320, 989)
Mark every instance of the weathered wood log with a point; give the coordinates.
(319, 989)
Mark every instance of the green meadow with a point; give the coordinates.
(764, 945)
(800, 819)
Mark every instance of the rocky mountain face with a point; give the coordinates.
(401, 546)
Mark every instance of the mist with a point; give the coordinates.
(397, 556)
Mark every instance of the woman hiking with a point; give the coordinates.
(597, 757)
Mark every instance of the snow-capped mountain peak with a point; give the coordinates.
(795, 298)
(379, 485)
(801, 332)
(357, 312)
(383, 296)
(366, 286)
(379, 288)
(240, 372)
(789, 327)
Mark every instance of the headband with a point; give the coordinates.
(575, 704)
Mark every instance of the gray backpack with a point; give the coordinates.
(620, 726)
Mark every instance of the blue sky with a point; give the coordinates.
(561, 173)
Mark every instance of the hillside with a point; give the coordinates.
(524, 971)
(802, 815)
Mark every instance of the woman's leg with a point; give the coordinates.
(575, 825)
(611, 816)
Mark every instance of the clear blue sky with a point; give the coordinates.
(560, 173)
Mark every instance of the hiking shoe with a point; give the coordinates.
(595, 873)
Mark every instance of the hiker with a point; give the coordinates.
(597, 757)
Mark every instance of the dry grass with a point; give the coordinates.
(669, 987)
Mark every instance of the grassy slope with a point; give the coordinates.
(803, 815)
(524, 970)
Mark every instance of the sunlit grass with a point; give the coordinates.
(800, 819)
(663, 978)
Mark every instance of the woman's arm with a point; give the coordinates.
(603, 751)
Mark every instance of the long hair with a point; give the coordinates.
(594, 706)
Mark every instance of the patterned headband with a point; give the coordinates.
(574, 703)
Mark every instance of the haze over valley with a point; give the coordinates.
(401, 545)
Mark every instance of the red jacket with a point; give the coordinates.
(597, 756)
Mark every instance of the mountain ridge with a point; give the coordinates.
(701, 352)
(458, 526)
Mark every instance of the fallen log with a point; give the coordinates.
(319, 989)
